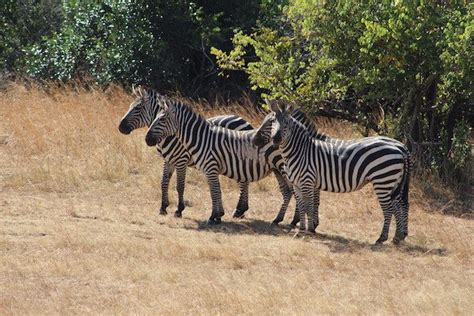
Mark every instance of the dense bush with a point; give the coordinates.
(399, 68)
(161, 43)
(22, 23)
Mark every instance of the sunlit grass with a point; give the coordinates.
(80, 230)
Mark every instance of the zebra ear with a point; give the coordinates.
(273, 105)
(165, 105)
(145, 93)
(168, 105)
(291, 107)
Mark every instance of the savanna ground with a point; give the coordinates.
(80, 231)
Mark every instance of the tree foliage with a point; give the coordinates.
(403, 68)
(22, 23)
(164, 44)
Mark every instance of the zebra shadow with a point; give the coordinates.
(242, 227)
(335, 243)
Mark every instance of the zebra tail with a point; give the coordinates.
(406, 185)
(403, 188)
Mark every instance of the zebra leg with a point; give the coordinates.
(216, 197)
(180, 183)
(286, 192)
(243, 204)
(308, 197)
(405, 218)
(316, 208)
(401, 220)
(165, 181)
(296, 216)
(301, 207)
(387, 208)
(402, 232)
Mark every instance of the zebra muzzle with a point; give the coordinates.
(258, 141)
(151, 140)
(277, 139)
(124, 128)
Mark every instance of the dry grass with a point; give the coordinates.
(79, 231)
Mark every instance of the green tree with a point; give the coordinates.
(160, 43)
(22, 23)
(402, 68)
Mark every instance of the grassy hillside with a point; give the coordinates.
(80, 230)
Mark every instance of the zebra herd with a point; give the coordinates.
(287, 144)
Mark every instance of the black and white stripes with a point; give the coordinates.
(339, 166)
(287, 143)
(142, 112)
(217, 151)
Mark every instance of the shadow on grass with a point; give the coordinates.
(247, 227)
(335, 243)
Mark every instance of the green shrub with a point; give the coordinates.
(405, 63)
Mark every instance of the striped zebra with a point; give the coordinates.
(218, 151)
(142, 112)
(314, 133)
(341, 166)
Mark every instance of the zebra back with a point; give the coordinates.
(174, 152)
(231, 122)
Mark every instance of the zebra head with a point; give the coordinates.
(142, 111)
(263, 133)
(164, 125)
(281, 127)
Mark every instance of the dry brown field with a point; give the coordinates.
(80, 230)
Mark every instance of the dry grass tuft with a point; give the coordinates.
(80, 233)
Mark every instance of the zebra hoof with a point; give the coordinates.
(274, 223)
(380, 241)
(293, 223)
(397, 240)
(181, 208)
(178, 214)
(239, 214)
(163, 212)
(213, 222)
(291, 226)
(400, 236)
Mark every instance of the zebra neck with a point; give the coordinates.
(153, 112)
(301, 117)
(154, 108)
(192, 130)
(295, 144)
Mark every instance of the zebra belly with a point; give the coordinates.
(174, 152)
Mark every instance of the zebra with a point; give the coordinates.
(314, 133)
(142, 112)
(217, 151)
(312, 165)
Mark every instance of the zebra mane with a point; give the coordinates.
(312, 129)
(301, 127)
(188, 108)
(161, 100)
